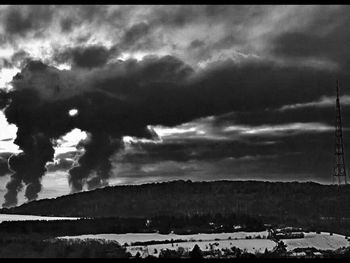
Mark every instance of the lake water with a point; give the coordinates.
(16, 217)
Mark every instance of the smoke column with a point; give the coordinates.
(28, 166)
(94, 165)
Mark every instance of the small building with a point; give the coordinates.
(237, 227)
(287, 232)
(298, 254)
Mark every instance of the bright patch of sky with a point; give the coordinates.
(7, 135)
(275, 129)
(69, 142)
(322, 102)
(6, 75)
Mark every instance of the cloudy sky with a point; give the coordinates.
(98, 95)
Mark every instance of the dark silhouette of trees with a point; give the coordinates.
(196, 252)
(24, 247)
(294, 201)
(205, 223)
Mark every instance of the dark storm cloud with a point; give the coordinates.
(140, 37)
(271, 87)
(88, 13)
(20, 58)
(38, 22)
(165, 19)
(67, 24)
(251, 156)
(146, 29)
(4, 63)
(4, 98)
(313, 112)
(95, 17)
(213, 149)
(184, 151)
(71, 17)
(135, 33)
(180, 15)
(249, 133)
(140, 28)
(273, 117)
(247, 152)
(326, 38)
(221, 88)
(224, 87)
(86, 56)
(176, 17)
(21, 20)
(196, 44)
(123, 98)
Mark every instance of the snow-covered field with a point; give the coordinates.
(15, 217)
(251, 245)
(144, 237)
(322, 241)
(204, 241)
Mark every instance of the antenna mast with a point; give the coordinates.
(339, 172)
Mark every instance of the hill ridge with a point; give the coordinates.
(187, 197)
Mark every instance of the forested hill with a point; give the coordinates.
(294, 200)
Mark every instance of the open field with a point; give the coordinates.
(252, 242)
(322, 241)
(250, 245)
(130, 238)
(257, 241)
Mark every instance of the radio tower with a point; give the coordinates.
(339, 173)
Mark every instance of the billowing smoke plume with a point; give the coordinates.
(125, 97)
(39, 124)
(39, 105)
(97, 167)
(28, 166)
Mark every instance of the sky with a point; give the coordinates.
(105, 95)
